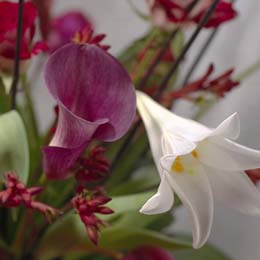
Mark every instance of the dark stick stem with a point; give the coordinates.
(17, 55)
(201, 54)
(164, 83)
(141, 85)
(186, 48)
(199, 57)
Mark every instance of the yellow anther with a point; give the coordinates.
(177, 165)
(195, 154)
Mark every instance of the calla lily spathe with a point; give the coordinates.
(96, 100)
(197, 163)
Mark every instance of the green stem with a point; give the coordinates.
(30, 107)
(248, 71)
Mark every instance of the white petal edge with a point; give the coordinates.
(189, 129)
(229, 128)
(227, 155)
(235, 190)
(196, 194)
(162, 201)
(153, 130)
(175, 144)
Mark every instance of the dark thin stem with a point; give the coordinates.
(168, 76)
(186, 48)
(199, 57)
(17, 55)
(142, 84)
(125, 144)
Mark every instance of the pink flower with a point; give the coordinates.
(16, 194)
(148, 253)
(86, 36)
(219, 85)
(254, 175)
(8, 29)
(96, 100)
(87, 204)
(92, 167)
(64, 28)
(166, 12)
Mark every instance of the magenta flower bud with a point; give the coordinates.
(96, 100)
(64, 28)
(149, 253)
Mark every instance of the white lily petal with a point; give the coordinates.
(187, 128)
(162, 201)
(236, 190)
(166, 162)
(229, 128)
(175, 144)
(195, 192)
(227, 155)
(153, 130)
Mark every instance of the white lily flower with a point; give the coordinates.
(197, 162)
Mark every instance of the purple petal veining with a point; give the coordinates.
(96, 101)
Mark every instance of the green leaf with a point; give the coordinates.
(69, 234)
(4, 98)
(206, 252)
(124, 167)
(129, 237)
(178, 43)
(126, 203)
(7, 80)
(136, 185)
(14, 152)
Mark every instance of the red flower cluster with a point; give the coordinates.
(175, 11)
(86, 205)
(86, 36)
(219, 86)
(16, 194)
(8, 29)
(92, 167)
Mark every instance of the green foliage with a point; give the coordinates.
(4, 98)
(14, 152)
(206, 252)
(69, 234)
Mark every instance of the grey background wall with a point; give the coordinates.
(237, 45)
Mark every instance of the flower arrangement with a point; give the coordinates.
(103, 181)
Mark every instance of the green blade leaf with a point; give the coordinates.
(69, 234)
(126, 203)
(206, 252)
(126, 238)
(4, 98)
(14, 152)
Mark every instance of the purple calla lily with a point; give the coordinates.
(96, 101)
